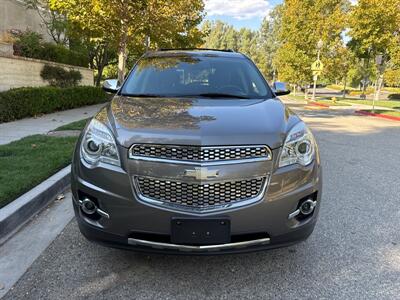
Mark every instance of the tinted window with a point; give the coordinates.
(192, 75)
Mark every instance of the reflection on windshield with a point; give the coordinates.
(153, 113)
(185, 75)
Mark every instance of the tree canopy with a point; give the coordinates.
(135, 24)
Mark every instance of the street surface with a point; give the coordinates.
(354, 253)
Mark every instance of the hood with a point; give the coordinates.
(202, 122)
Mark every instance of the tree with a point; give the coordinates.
(374, 29)
(270, 42)
(303, 23)
(132, 23)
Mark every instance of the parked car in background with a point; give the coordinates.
(196, 154)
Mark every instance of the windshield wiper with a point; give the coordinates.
(217, 95)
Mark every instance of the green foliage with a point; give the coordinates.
(27, 162)
(374, 26)
(392, 77)
(303, 23)
(28, 102)
(31, 44)
(260, 46)
(394, 97)
(134, 24)
(60, 77)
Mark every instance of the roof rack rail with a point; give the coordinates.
(188, 49)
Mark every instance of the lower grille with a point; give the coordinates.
(200, 196)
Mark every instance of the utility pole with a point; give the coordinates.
(320, 44)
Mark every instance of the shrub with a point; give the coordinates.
(30, 44)
(394, 97)
(28, 102)
(60, 77)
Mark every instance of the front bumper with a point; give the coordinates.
(135, 225)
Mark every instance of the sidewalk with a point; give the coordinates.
(16, 130)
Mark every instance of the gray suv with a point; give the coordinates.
(196, 154)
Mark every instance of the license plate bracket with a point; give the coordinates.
(200, 231)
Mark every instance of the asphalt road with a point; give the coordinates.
(354, 253)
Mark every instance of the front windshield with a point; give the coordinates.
(195, 76)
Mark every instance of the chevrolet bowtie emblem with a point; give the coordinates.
(202, 173)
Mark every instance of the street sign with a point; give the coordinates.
(317, 65)
(317, 73)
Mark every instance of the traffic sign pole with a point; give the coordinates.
(317, 68)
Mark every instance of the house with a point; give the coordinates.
(15, 16)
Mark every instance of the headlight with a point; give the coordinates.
(299, 147)
(98, 145)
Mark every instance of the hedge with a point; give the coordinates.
(30, 44)
(394, 97)
(28, 102)
(60, 77)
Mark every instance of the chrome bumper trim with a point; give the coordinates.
(157, 245)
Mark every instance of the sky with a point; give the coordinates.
(239, 13)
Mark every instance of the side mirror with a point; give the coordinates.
(111, 86)
(280, 89)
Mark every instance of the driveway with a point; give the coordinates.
(354, 253)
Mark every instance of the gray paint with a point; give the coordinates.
(199, 121)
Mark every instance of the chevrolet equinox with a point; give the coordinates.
(196, 154)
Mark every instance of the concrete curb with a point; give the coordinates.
(318, 104)
(387, 117)
(16, 214)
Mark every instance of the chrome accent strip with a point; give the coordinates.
(204, 162)
(294, 214)
(199, 210)
(98, 210)
(298, 211)
(158, 245)
(103, 213)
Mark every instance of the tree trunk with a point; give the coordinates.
(102, 62)
(99, 74)
(344, 87)
(122, 55)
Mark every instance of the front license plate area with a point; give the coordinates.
(196, 231)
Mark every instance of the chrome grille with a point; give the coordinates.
(201, 195)
(198, 153)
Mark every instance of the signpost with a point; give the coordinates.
(317, 67)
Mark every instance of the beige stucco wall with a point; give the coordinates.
(14, 15)
(22, 72)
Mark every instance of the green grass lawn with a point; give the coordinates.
(78, 125)
(383, 103)
(27, 162)
(384, 112)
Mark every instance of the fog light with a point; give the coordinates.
(88, 206)
(307, 207)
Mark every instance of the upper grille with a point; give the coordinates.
(198, 153)
(200, 196)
